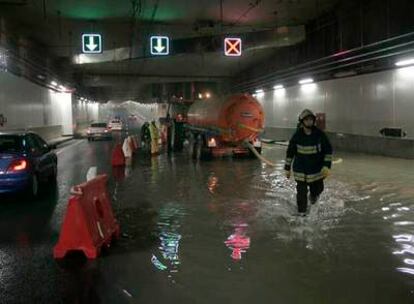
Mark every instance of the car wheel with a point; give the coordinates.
(53, 176)
(34, 187)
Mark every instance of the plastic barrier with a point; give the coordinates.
(126, 148)
(134, 141)
(164, 134)
(89, 222)
(118, 173)
(138, 139)
(118, 158)
(131, 144)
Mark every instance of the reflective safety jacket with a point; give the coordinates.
(154, 132)
(145, 132)
(309, 154)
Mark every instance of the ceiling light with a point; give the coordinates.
(53, 83)
(278, 87)
(63, 88)
(345, 74)
(306, 81)
(405, 62)
(260, 91)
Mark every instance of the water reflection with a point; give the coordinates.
(238, 242)
(238, 217)
(169, 224)
(213, 183)
(398, 215)
(406, 243)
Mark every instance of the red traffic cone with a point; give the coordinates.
(118, 158)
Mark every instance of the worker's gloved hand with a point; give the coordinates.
(325, 172)
(287, 174)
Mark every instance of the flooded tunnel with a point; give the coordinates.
(209, 152)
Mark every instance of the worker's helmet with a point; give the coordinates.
(306, 113)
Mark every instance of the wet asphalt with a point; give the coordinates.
(220, 231)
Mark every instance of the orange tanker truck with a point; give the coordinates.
(222, 126)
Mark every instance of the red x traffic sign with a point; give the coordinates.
(232, 46)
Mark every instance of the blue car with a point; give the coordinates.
(26, 161)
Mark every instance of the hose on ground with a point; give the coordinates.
(263, 159)
(258, 155)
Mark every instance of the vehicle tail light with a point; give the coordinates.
(17, 165)
(212, 143)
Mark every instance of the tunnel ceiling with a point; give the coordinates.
(195, 27)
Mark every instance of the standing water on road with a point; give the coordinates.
(221, 231)
(225, 232)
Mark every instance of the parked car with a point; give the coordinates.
(26, 161)
(98, 130)
(115, 125)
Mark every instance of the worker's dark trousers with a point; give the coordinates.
(316, 188)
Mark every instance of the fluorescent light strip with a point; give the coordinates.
(306, 81)
(405, 62)
(278, 87)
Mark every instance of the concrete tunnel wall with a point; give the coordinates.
(26, 105)
(359, 105)
(356, 109)
(83, 114)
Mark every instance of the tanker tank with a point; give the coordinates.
(222, 126)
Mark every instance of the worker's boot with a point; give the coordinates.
(313, 199)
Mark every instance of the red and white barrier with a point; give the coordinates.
(89, 222)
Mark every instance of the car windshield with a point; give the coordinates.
(10, 143)
(98, 125)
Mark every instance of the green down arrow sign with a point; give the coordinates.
(160, 45)
(91, 43)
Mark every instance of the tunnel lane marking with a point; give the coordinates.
(91, 174)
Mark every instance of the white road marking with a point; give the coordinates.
(91, 173)
(127, 293)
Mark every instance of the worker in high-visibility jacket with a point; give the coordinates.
(146, 136)
(310, 152)
(154, 138)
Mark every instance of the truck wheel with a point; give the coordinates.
(197, 149)
(200, 150)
